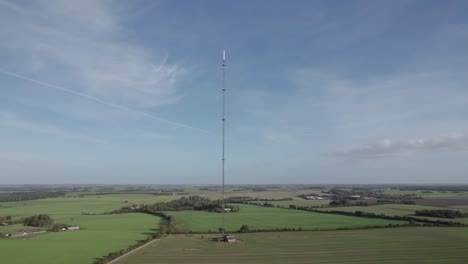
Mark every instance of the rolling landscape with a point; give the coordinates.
(116, 222)
(247, 131)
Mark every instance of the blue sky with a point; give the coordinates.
(318, 91)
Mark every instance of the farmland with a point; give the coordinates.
(99, 234)
(103, 233)
(395, 210)
(303, 203)
(395, 245)
(269, 218)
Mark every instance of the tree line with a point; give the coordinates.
(442, 213)
(25, 196)
(197, 203)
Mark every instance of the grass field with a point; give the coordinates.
(394, 245)
(64, 209)
(18, 228)
(100, 235)
(278, 193)
(257, 217)
(424, 193)
(396, 210)
(306, 203)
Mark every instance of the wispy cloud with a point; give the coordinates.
(13, 121)
(12, 6)
(96, 99)
(86, 42)
(404, 147)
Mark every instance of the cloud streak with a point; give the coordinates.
(404, 147)
(97, 100)
(86, 42)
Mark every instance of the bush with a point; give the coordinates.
(41, 220)
(244, 228)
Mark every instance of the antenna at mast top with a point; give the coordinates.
(224, 57)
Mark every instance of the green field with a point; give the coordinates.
(62, 208)
(257, 217)
(99, 234)
(396, 210)
(424, 193)
(277, 193)
(393, 245)
(301, 202)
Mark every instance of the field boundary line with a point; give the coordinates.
(138, 248)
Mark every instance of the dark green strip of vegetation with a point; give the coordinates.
(25, 196)
(442, 213)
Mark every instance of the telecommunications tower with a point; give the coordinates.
(223, 120)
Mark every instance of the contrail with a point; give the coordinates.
(95, 99)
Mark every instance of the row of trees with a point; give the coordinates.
(24, 196)
(189, 203)
(442, 213)
(246, 199)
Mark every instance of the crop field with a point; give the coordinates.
(460, 201)
(305, 203)
(396, 210)
(278, 193)
(65, 209)
(17, 228)
(263, 218)
(424, 193)
(99, 235)
(102, 234)
(394, 245)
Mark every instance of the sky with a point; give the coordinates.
(318, 92)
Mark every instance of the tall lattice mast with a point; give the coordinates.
(224, 121)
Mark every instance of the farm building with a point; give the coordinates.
(315, 198)
(229, 239)
(73, 228)
(19, 234)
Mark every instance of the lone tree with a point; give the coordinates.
(41, 220)
(244, 228)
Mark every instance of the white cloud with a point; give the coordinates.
(404, 147)
(85, 42)
(397, 105)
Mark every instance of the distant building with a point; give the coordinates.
(354, 197)
(315, 198)
(229, 239)
(19, 234)
(73, 228)
(5, 224)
